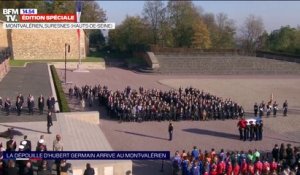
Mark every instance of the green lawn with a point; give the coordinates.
(19, 63)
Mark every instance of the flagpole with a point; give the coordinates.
(78, 14)
(79, 47)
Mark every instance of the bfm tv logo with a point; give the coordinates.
(11, 14)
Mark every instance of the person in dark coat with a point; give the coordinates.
(255, 109)
(19, 105)
(21, 98)
(52, 103)
(41, 104)
(289, 155)
(11, 144)
(28, 170)
(260, 130)
(30, 104)
(285, 108)
(49, 103)
(11, 169)
(7, 106)
(43, 169)
(89, 170)
(49, 121)
(170, 131)
(1, 103)
(275, 153)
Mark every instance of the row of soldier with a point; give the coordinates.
(154, 104)
(19, 104)
(268, 108)
(250, 130)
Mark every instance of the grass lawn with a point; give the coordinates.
(19, 63)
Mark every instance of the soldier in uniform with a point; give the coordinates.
(247, 131)
(26, 143)
(242, 125)
(170, 129)
(49, 121)
(260, 130)
(255, 109)
(275, 109)
(285, 108)
(269, 110)
(261, 110)
(252, 129)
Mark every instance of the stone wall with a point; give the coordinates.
(46, 44)
(278, 56)
(4, 61)
(4, 68)
(3, 36)
(150, 59)
(184, 51)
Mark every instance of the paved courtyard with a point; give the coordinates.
(32, 79)
(206, 135)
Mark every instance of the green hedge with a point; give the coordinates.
(62, 101)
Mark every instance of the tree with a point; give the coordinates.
(96, 39)
(250, 32)
(62, 7)
(92, 12)
(224, 32)
(263, 41)
(286, 39)
(182, 15)
(154, 14)
(132, 35)
(201, 38)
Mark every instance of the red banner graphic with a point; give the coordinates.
(48, 18)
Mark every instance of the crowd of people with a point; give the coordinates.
(153, 104)
(7, 104)
(285, 161)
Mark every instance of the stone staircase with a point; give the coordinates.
(224, 65)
